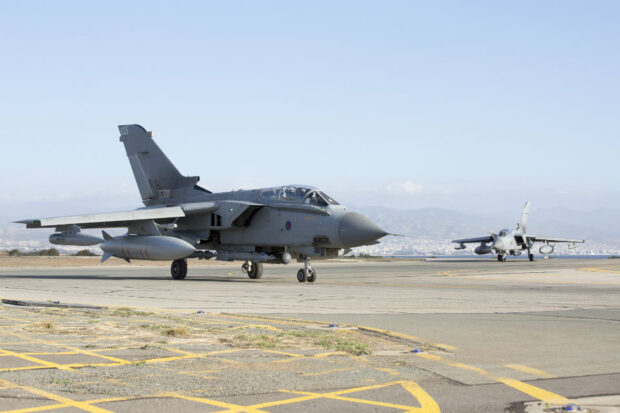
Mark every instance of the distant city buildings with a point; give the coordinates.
(404, 246)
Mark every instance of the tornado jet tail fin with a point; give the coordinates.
(159, 181)
(523, 223)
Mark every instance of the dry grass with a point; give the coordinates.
(46, 325)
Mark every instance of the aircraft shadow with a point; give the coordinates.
(223, 278)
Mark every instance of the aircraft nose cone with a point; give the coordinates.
(355, 230)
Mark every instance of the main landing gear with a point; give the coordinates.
(307, 273)
(530, 255)
(178, 269)
(501, 257)
(254, 270)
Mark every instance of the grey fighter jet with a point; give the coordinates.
(182, 220)
(513, 242)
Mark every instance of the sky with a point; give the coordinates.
(404, 104)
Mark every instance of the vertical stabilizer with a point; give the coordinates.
(523, 223)
(159, 181)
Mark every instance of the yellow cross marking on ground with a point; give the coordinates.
(44, 363)
(66, 402)
(427, 403)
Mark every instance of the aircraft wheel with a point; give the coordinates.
(256, 270)
(301, 276)
(499, 257)
(531, 257)
(178, 269)
(312, 276)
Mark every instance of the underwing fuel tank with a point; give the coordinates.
(483, 249)
(546, 249)
(82, 240)
(146, 247)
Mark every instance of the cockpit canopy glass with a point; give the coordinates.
(504, 232)
(298, 194)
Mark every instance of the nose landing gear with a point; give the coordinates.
(307, 273)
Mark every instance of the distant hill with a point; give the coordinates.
(423, 224)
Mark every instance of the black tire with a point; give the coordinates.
(312, 276)
(499, 257)
(178, 269)
(301, 276)
(257, 271)
(531, 257)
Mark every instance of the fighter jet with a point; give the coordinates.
(182, 220)
(513, 242)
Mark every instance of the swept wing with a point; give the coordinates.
(553, 239)
(487, 238)
(107, 219)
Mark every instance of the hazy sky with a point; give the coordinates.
(404, 104)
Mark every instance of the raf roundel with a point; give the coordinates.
(288, 225)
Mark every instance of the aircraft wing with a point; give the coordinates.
(108, 219)
(236, 213)
(486, 238)
(553, 239)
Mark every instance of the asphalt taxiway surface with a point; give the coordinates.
(482, 335)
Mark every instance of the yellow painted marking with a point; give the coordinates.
(59, 353)
(66, 401)
(449, 274)
(530, 370)
(445, 346)
(526, 388)
(387, 370)
(48, 364)
(213, 402)
(271, 320)
(533, 391)
(331, 353)
(258, 326)
(283, 353)
(27, 368)
(427, 403)
(38, 408)
(592, 269)
(77, 350)
(321, 373)
(429, 356)
(468, 367)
